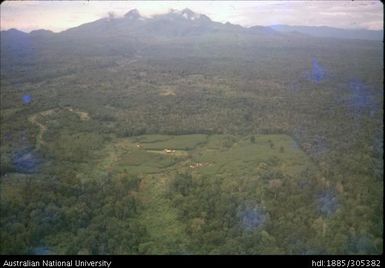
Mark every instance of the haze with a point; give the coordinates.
(61, 15)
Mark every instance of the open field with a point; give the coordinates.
(165, 135)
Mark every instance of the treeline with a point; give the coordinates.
(77, 217)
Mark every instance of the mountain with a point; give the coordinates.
(14, 36)
(185, 14)
(41, 32)
(133, 15)
(13, 33)
(16, 42)
(323, 31)
(180, 24)
(176, 33)
(174, 24)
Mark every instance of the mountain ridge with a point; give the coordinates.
(331, 32)
(185, 21)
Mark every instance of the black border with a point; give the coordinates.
(186, 260)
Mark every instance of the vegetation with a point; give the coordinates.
(211, 144)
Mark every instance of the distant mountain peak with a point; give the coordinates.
(41, 32)
(14, 33)
(187, 10)
(14, 30)
(188, 14)
(133, 14)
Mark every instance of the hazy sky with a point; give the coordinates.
(61, 15)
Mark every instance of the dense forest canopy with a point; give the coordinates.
(181, 135)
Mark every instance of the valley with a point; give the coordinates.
(177, 134)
